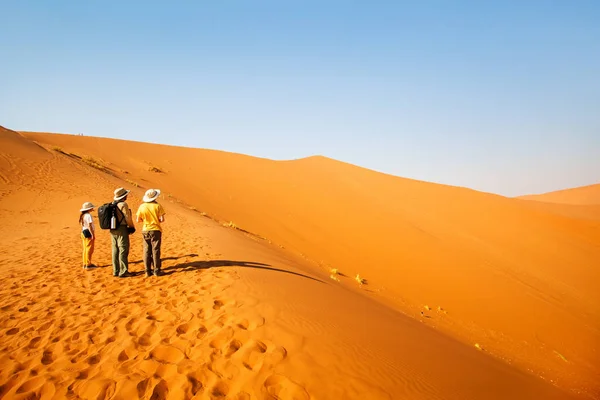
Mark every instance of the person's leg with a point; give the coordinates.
(115, 253)
(124, 251)
(91, 251)
(147, 252)
(84, 255)
(156, 242)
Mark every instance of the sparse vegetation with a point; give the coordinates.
(155, 169)
(361, 281)
(132, 183)
(230, 224)
(92, 162)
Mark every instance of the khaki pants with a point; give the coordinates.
(120, 250)
(152, 242)
(88, 250)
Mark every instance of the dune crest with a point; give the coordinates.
(584, 195)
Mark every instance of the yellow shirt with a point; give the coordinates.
(150, 213)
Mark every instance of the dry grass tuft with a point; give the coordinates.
(132, 183)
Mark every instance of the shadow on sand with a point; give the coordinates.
(162, 258)
(196, 265)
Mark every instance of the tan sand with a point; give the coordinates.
(256, 315)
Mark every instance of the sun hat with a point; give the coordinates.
(151, 195)
(87, 206)
(120, 193)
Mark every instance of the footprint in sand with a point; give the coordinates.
(47, 357)
(233, 347)
(275, 356)
(253, 354)
(31, 384)
(183, 329)
(123, 356)
(35, 342)
(222, 337)
(251, 324)
(281, 387)
(201, 332)
(220, 390)
(195, 385)
(12, 331)
(167, 354)
(161, 390)
(93, 360)
(218, 304)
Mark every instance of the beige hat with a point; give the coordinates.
(151, 195)
(120, 193)
(87, 206)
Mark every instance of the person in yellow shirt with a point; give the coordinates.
(152, 215)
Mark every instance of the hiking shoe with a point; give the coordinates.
(126, 274)
(159, 273)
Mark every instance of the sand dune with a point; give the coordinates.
(584, 195)
(253, 313)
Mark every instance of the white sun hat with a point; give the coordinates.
(120, 193)
(87, 206)
(151, 195)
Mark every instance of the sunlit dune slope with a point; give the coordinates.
(584, 195)
(520, 281)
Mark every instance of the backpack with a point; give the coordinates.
(106, 212)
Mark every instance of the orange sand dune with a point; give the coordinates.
(584, 195)
(253, 313)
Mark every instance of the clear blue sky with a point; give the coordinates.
(498, 96)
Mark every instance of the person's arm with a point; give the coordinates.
(161, 217)
(91, 225)
(127, 213)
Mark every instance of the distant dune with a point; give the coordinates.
(585, 195)
(462, 294)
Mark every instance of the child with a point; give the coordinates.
(88, 234)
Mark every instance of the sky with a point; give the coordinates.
(502, 97)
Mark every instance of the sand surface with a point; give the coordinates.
(584, 195)
(251, 310)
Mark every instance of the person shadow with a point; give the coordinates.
(141, 261)
(207, 264)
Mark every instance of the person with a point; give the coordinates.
(152, 215)
(120, 234)
(88, 234)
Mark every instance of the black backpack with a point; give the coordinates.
(106, 212)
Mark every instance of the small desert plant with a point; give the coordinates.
(361, 281)
(155, 169)
(230, 224)
(132, 183)
(92, 162)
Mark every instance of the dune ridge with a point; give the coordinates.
(306, 217)
(584, 195)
